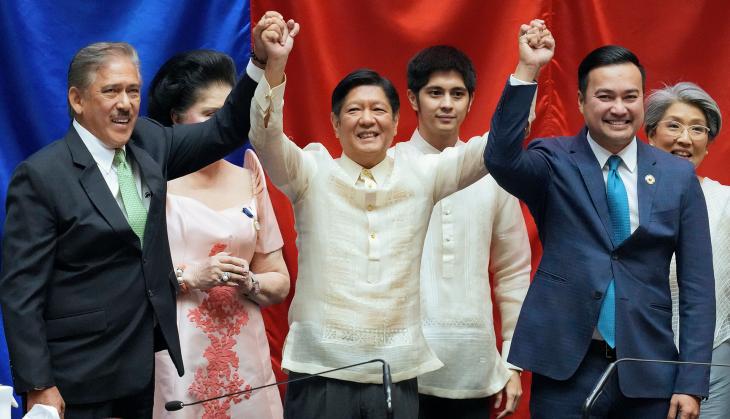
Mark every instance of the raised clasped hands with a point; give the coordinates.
(273, 41)
(537, 47)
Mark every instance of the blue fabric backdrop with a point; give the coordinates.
(39, 38)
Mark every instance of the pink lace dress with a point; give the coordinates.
(224, 344)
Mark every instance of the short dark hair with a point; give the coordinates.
(605, 56)
(440, 58)
(178, 82)
(364, 77)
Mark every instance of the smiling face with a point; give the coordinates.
(441, 105)
(109, 105)
(365, 125)
(692, 149)
(613, 105)
(209, 100)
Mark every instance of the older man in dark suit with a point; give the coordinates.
(87, 288)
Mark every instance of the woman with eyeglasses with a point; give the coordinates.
(684, 120)
(226, 250)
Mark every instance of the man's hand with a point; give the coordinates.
(278, 38)
(269, 18)
(684, 406)
(278, 41)
(49, 397)
(511, 393)
(537, 48)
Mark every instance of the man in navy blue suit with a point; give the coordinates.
(610, 211)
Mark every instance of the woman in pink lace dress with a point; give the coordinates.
(226, 249)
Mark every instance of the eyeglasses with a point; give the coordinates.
(695, 132)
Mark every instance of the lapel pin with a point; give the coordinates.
(650, 179)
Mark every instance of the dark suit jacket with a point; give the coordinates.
(562, 183)
(80, 297)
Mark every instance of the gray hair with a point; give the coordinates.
(88, 60)
(660, 100)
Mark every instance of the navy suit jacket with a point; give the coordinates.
(81, 298)
(561, 182)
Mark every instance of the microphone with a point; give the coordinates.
(598, 388)
(174, 405)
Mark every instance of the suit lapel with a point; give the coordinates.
(97, 189)
(647, 177)
(592, 176)
(151, 176)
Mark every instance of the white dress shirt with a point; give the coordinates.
(104, 157)
(627, 171)
(472, 233)
(357, 293)
(717, 197)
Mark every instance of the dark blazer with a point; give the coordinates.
(561, 182)
(80, 296)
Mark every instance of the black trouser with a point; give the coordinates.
(432, 407)
(136, 406)
(328, 398)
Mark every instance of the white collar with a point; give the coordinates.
(424, 146)
(380, 171)
(627, 154)
(103, 155)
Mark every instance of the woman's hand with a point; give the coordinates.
(219, 269)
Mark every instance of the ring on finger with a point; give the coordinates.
(224, 277)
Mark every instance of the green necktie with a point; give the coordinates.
(136, 212)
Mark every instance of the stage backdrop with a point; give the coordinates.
(676, 40)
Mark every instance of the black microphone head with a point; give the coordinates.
(174, 405)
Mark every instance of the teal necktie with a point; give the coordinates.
(618, 211)
(136, 212)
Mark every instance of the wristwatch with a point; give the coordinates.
(179, 271)
(255, 286)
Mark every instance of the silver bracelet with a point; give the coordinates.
(255, 286)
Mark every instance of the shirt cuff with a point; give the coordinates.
(505, 354)
(514, 81)
(268, 98)
(254, 72)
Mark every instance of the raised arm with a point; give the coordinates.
(522, 173)
(287, 165)
(193, 146)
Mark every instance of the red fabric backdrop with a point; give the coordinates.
(675, 39)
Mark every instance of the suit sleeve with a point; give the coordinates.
(29, 246)
(509, 263)
(696, 282)
(194, 146)
(523, 173)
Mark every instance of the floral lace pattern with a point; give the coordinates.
(221, 316)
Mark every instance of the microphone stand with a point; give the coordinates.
(601, 383)
(387, 384)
